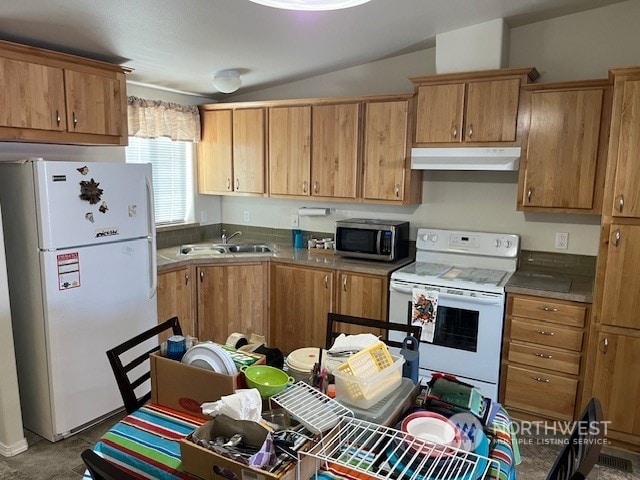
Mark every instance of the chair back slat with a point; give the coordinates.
(127, 386)
(335, 320)
(582, 449)
(101, 469)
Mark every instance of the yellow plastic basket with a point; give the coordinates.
(367, 362)
(368, 375)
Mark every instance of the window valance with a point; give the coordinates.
(155, 118)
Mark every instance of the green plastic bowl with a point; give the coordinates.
(267, 380)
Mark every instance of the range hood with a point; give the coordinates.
(465, 158)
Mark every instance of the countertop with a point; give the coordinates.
(581, 288)
(169, 258)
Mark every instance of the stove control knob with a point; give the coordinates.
(426, 237)
(434, 238)
(507, 243)
(497, 243)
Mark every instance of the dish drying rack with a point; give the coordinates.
(351, 447)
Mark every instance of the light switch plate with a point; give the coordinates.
(295, 221)
(246, 216)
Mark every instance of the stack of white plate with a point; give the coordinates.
(210, 356)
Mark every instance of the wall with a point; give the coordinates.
(573, 47)
(12, 439)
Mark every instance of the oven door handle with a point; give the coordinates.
(447, 296)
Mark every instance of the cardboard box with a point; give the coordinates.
(209, 465)
(184, 388)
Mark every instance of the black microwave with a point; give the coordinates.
(372, 239)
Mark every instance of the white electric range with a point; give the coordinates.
(462, 274)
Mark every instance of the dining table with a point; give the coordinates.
(146, 445)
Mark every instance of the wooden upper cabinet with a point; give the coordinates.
(32, 96)
(621, 289)
(471, 107)
(563, 165)
(215, 152)
(51, 97)
(94, 103)
(385, 150)
(231, 154)
(248, 150)
(334, 150)
(440, 109)
(289, 150)
(625, 147)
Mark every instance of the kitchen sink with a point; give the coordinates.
(214, 249)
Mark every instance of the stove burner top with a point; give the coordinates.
(432, 271)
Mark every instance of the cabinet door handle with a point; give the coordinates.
(228, 184)
(470, 130)
(548, 309)
(201, 276)
(529, 192)
(75, 119)
(397, 191)
(58, 119)
(326, 281)
(605, 345)
(543, 355)
(547, 334)
(344, 284)
(620, 202)
(186, 279)
(304, 187)
(237, 184)
(616, 238)
(454, 131)
(540, 379)
(315, 187)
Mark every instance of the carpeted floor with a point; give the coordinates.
(61, 460)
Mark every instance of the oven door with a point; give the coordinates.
(467, 338)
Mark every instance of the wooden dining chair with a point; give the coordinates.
(101, 469)
(347, 324)
(122, 371)
(580, 453)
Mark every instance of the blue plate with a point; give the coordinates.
(482, 450)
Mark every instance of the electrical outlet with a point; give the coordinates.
(562, 240)
(295, 221)
(203, 217)
(246, 216)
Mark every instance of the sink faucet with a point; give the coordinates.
(226, 239)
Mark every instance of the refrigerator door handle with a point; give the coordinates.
(153, 261)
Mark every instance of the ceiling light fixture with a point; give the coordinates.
(311, 5)
(227, 81)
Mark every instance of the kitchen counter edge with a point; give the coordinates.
(581, 290)
(168, 259)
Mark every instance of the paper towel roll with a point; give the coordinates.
(313, 211)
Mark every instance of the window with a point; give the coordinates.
(172, 166)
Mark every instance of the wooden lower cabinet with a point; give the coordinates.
(543, 353)
(176, 299)
(232, 298)
(301, 298)
(616, 383)
(362, 295)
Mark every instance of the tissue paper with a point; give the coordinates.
(245, 404)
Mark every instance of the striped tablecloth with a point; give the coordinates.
(145, 443)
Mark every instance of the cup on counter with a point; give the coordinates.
(298, 239)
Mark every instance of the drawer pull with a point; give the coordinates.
(540, 379)
(546, 334)
(543, 355)
(548, 309)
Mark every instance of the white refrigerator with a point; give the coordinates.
(80, 248)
